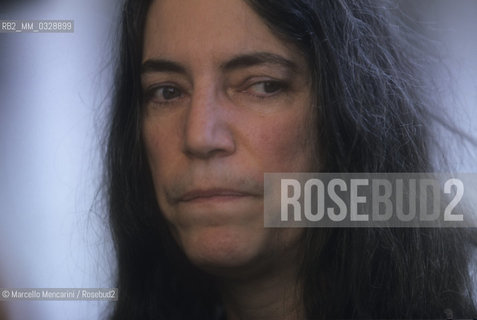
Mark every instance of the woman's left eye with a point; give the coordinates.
(265, 88)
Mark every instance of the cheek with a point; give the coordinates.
(162, 142)
(161, 150)
(152, 141)
(282, 144)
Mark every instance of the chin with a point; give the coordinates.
(223, 250)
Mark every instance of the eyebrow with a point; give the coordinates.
(257, 58)
(161, 65)
(238, 62)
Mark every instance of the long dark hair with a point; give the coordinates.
(373, 116)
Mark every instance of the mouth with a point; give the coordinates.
(218, 194)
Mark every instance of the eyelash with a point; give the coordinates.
(151, 92)
(277, 85)
(280, 86)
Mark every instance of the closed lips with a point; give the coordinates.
(211, 193)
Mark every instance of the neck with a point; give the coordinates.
(273, 293)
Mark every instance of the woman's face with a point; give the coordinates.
(225, 101)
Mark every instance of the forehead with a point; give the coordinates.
(206, 30)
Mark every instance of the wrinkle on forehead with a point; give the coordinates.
(206, 30)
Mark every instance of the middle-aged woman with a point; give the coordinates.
(209, 95)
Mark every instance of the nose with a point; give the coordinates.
(207, 128)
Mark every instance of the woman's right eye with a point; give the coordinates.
(163, 94)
